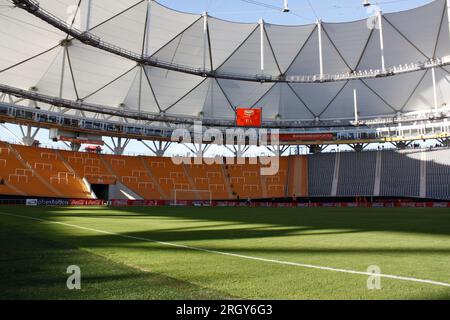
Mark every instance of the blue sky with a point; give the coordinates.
(301, 11)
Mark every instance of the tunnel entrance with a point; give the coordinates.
(101, 191)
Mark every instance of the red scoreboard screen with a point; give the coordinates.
(246, 117)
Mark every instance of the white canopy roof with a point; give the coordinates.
(32, 57)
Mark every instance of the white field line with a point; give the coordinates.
(309, 266)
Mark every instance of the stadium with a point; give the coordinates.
(285, 162)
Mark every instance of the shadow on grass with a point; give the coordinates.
(408, 220)
(244, 223)
(35, 268)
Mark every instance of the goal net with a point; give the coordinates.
(180, 197)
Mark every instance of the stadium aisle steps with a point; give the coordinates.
(131, 172)
(161, 193)
(53, 172)
(228, 185)
(36, 178)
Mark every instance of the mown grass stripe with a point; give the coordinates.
(281, 262)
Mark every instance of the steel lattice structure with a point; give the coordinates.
(141, 61)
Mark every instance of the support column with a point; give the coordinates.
(147, 29)
(199, 150)
(401, 145)
(448, 15)
(355, 102)
(435, 98)
(261, 28)
(119, 147)
(359, 146)
(63, 71)
(319, 31)
(380, 28)
(28, 138)
(88, 4)
(205, 39)
(315, 149)
(278, 150)
(75, 146)
(238, 150)
(159, 148)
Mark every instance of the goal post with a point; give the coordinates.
(179, 195)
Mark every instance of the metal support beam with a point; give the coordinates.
(315, 148)
(75, 146)
(147, 29)
(238, 150)
(88, 5)
(119, 146)
(435, 98)
(448, 15)
(319, 31)
(198, 149)
(12, 133)
(380, 29)
(29, 138)
(262, 36)
(89, 39)
(278, 150)
(355, 102)
(401, 145)
(205, 39)
(159, 148)
(358, 147)
(63, 71)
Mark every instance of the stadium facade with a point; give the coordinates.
(138, 70)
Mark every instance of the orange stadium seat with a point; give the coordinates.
(131, 172)
(32, 171)
(210, 178)
(89, 166)
(52, 172)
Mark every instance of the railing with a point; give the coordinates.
(288, 126)
(90, 39)
(412, 130)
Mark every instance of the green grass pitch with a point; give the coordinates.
(223, 253)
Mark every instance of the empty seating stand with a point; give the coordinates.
(39, 172)
(209, 178)
(245, 178)
(320, 174)
(357, 173)
(438, 174)
(132, 172)
(169, 176)
(89, 166)
(400, 173)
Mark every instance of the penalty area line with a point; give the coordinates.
(235, 255)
